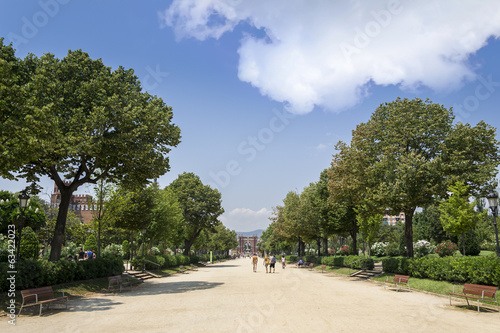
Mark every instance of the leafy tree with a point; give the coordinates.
(200, 204)
(76, 119)
(369, 223)
(457, 213)
(409, 152)
(428, 225)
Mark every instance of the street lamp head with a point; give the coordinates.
(23, 200)
(493, 201)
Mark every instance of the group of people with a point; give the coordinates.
(82, 255)
(269, 263)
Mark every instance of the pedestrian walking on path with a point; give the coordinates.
(255, 260)
(272, 264)
(266, 262)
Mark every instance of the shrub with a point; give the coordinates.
(40, 273)
(29, 244)
(71, 249)
(113, 250)
(422, 248)
(91, 243)
(358, 262)
(395, 265)
(344, 251)
(472, 244)
(446, 249)
(378, 249)
(392, 250)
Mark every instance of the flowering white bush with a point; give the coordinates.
(378, 249)
(422, 248)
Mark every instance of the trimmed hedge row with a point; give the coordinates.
(169, 260)
(40, 273)
(477, 270)
(358, 262)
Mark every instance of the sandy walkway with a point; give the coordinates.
(229, 297)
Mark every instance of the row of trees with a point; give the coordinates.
(183, 215)
(76, 119)
(409, 154)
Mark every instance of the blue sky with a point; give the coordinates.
(263, 90)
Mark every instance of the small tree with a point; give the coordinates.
(91, 243)
(457, 213)
(29, 244)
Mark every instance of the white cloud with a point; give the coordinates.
(246, 219)
(327, 53)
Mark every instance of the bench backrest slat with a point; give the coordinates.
(401, 278)
(42, 294)
(483, 291)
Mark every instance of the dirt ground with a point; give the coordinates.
(229, 297)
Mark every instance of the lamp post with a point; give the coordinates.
(493, 202)
(23, 203)
(143, 246)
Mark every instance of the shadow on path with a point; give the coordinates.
(171, 288)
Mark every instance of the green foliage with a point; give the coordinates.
(201, 206)
(126, 249)
(91, 243)
(71, 249)
(29, 245)
(113, 250)
(39, 273)
(477, 270)
(355, 262)
(472, 243)
(393, 249)
(446, 249)
(397, 265)
(81, 121)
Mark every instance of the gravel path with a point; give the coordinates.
(229, 297)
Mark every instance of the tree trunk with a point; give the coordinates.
(409, 231)
(463, 242)
(58, 239)
(189, 242)
(318, 243)
(325, 246)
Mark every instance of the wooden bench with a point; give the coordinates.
(193, 267)
(40, 296)
(118, 281)
(398, 281)
(477, 291)
(311, 265)
(323, 267)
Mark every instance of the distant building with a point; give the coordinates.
(79, 203)
(393, 219)
(247, 245)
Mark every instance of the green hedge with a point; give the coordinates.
(169, 260)
(40, 273)
(477, 270)
(358, 262)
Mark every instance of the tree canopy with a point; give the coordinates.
(76, 119)
(408, 153)
(201, 206)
